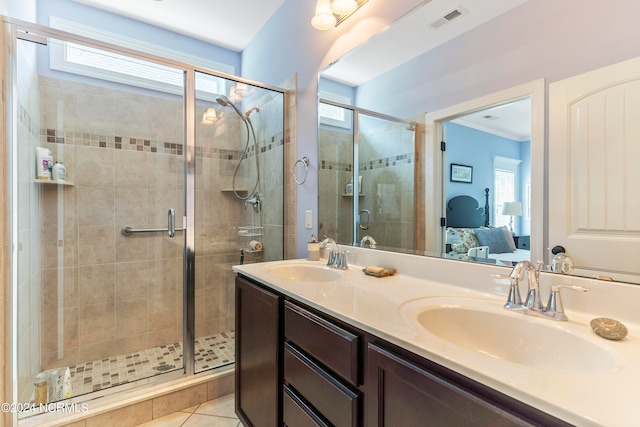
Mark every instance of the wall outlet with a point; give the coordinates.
(308, 219)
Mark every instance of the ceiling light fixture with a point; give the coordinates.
(343, 7)
(331, 13)
(211, 115)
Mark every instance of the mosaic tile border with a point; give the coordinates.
(387, 162)
(86, 139)
(338, 166)
(384, 162)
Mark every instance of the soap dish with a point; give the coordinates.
(384, 273)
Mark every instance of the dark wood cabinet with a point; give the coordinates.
(329, 399)
(298, 367)
(332, 345)
(322, 365)
(407, 390)
(258, 355)
(405, 394)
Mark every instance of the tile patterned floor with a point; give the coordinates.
(214, 413)
(210, 352)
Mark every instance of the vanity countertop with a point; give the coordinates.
(604, 397)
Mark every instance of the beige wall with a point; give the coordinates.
(335, 213)
(387, 157)
(391, 183)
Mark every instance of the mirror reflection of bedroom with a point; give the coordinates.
(487, 184)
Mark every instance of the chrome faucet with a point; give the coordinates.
(336, 259)
(533, 301)
(330, 244)
(533, 304)
(370, 240)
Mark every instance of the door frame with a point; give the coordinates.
(435, 170)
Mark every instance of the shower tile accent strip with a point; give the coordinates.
(384, 162)
(210, 352)
(149, 146)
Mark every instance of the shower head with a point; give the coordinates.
(225, 102)
(251, 110)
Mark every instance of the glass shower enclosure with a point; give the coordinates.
(369, 178)
(121, 269)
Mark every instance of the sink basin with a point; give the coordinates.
(486, 329)
(306, 273)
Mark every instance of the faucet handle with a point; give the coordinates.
(341, 260)
(514, 300)
(555, 309)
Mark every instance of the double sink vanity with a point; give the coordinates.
(431, 345)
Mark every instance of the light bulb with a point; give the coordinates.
(211, 116)
(343, 7)
(323, 19)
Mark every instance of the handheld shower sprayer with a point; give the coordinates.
(225, 102)
(253, 196)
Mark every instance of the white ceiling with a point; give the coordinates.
(230, 24)
(412, 36)
(512, 121)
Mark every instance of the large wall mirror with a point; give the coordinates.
(433, 80)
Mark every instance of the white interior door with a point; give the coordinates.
(594, 170)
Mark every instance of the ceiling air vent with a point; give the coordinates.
(438, 23)
(452, 15)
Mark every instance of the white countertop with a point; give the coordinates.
(607, 397)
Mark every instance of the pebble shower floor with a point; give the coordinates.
(210, 352)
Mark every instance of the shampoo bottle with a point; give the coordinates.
(349, 188)
(59, 172)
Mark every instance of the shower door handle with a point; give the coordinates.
(171, 223)
(365, 227)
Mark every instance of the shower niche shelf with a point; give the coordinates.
(43, 182)
(241, 191)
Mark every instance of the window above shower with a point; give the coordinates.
(86, 61)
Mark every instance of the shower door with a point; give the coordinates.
(100, 275)
(366, 183)
(335, 175)
(239, 202)
(385, 181)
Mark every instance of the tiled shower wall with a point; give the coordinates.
(335, 211)
(387, 155)
(387, 158)
(106, 294)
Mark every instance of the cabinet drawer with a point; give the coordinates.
(297, 413)
(336, 348)
(332, 399)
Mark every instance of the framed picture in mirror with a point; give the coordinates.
(461, 173)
